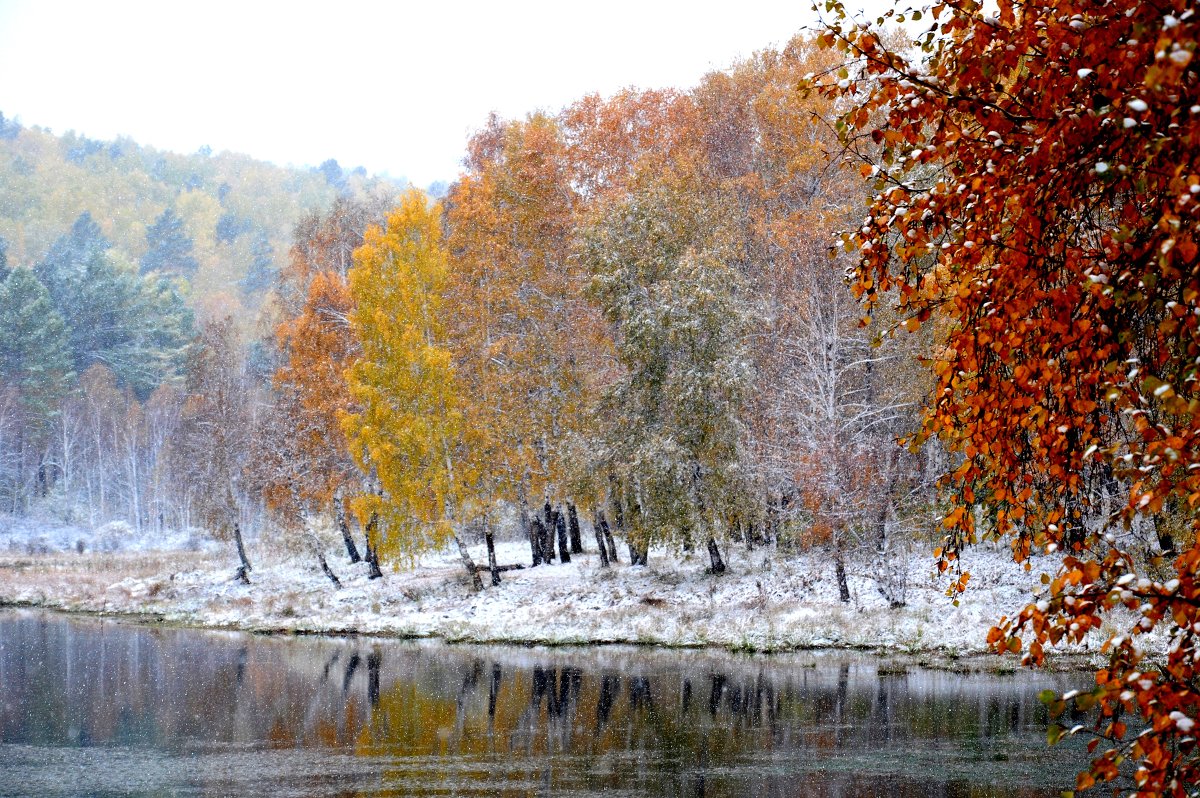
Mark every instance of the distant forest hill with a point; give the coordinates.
(222, 222)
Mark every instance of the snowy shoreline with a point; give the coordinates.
(768, 601)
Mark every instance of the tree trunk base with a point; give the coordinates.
(243, 572)
(639, 553)
(537, 541)
(373, 571)
(597, 521)
(573, 530)
(564, 546)
(547, 534)
(344, 526)
(840, 571)
(241, 548)
(469, 564)
(714, 557)
(491, 550)
(337, 583)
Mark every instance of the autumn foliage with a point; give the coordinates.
(1037, 200)
(306, 465)
(631, 308)
(406, 429)
(632, 294)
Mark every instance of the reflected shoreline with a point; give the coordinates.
(373, 716)
(1064, 662)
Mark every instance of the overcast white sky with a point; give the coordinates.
(395, 87)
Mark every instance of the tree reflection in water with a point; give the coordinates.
(370, 717)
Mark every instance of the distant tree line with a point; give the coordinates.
(87, 346)
(222, 221)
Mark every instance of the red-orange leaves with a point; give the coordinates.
(1038, 196)
(303, 461)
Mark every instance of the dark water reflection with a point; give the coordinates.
(100, 708)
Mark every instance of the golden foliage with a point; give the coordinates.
(408, 428)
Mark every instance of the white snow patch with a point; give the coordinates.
(768, 599)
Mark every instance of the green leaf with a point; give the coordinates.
(1054, 734)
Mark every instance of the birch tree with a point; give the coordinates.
(408, 429)
(211, 452)
(527, 340)
(1057, 248)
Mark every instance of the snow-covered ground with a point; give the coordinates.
(768, 600)
(43, 533)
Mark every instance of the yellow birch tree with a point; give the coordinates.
(408, 430)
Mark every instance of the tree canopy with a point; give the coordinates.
(169, 248)
(673, 431)
(35, 359)
(407, 429)
(136, 325)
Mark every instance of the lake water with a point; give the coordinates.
(92, 707)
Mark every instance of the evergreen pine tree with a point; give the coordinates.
(138, 326)
(69, 257)
(157, 334)
(334, 175)
(9, 128)
(230, 226)
(262, 272)
(35, 357)
(35, 375)
(170, 247)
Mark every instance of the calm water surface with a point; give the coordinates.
(104, 708)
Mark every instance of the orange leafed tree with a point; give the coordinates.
(610, 140)
(1039, 198)
(304, 462)
(311, 388)
(524, 337)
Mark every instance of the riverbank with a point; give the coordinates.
(766, 601)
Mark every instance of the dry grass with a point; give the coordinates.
(73, 577)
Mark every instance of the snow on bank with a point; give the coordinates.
(45, 534)
(767, 601)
